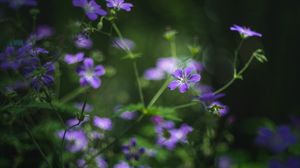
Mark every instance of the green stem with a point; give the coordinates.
(37, 145)
(138, 83)
(73, 94)
(236, 76)
(236, 53)
(185, 105)
(159, 92)
(173, 48)
(128, 51)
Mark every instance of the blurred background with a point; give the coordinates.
(268, 91)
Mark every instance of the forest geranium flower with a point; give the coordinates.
(91, 8)
(119, 4)
(132, 151)
(72, 59)
(218, 108)
(83, 41)
(124, 44)
(42, 76)
(89, 75)
(41, 32)
(76, 140)
(244, 31)
(122, 164)
(103, 123)
(128, 115)
(87, 108)
(183, 79)
(277, 140)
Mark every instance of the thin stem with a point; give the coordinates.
(185, 105)
(128, 51)
(246, 65)
(236, 53)
(159, 92)
(173, 48)
(37, 145)
(73, 94)
(225, 86)
(114, 141)
(138, 83)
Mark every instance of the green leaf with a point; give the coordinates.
(260, 56)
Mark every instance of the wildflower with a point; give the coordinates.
(41, 32)
(218, 108)
(100, 162)
(76, 140)
(83, 41)
(42, 76)
(119, 4)
(103, 123)
(91, 8)
(124, 44)
(132, 151)
(122, 164)
(15, 4)
(154, 74)
(12, 58)
(277, 140)
(128, 115)
(244, 31)
(72, 59)
(224, 162)
(184, 78)
(87, 108)
(210, 97)
(168, 64)
(168, 136)
(90, 74)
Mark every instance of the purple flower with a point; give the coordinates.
(154, 74)
(132, 151)
(224, 162)
(218, 108)
(96, 135)
(15, 4)
(91, 8)
(184, 78)
(79, 106)
(168, 136)
(244, 31)
(74, 121)
(122, 164)
(72, 59)
(42, 76)
(103, 123)
(100, 162)
(90, 74)
(210, 97)
(76, 140)
(119, 4)
(83, 41)
(277, 140)
(124, 44)
(168, 64)
(292, 162)
(128, 115)
(41, 32)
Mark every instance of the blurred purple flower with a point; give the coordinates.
(100, 162)
(72, 59)
(292, 162)
(124, 44)
(154, 74)
(12, 58)
(42, 76)
(122, 164)
(91, 8)
(76, 140)
(244, 31)
(119, 4)
(15, 4)
(128, 115)
(96, 135)
(74, 121)
(132, 151)
(88, 107)
(168, 136)
(168, 64)
(42, 32)
(277, 140)
(90, 74)
(83, 41)
(184, 78)
(102, 123)
(224, 162)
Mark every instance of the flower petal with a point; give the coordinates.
(194, 78)
(88, 63)
(174, 84)
(183, 87)
(99, 70)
